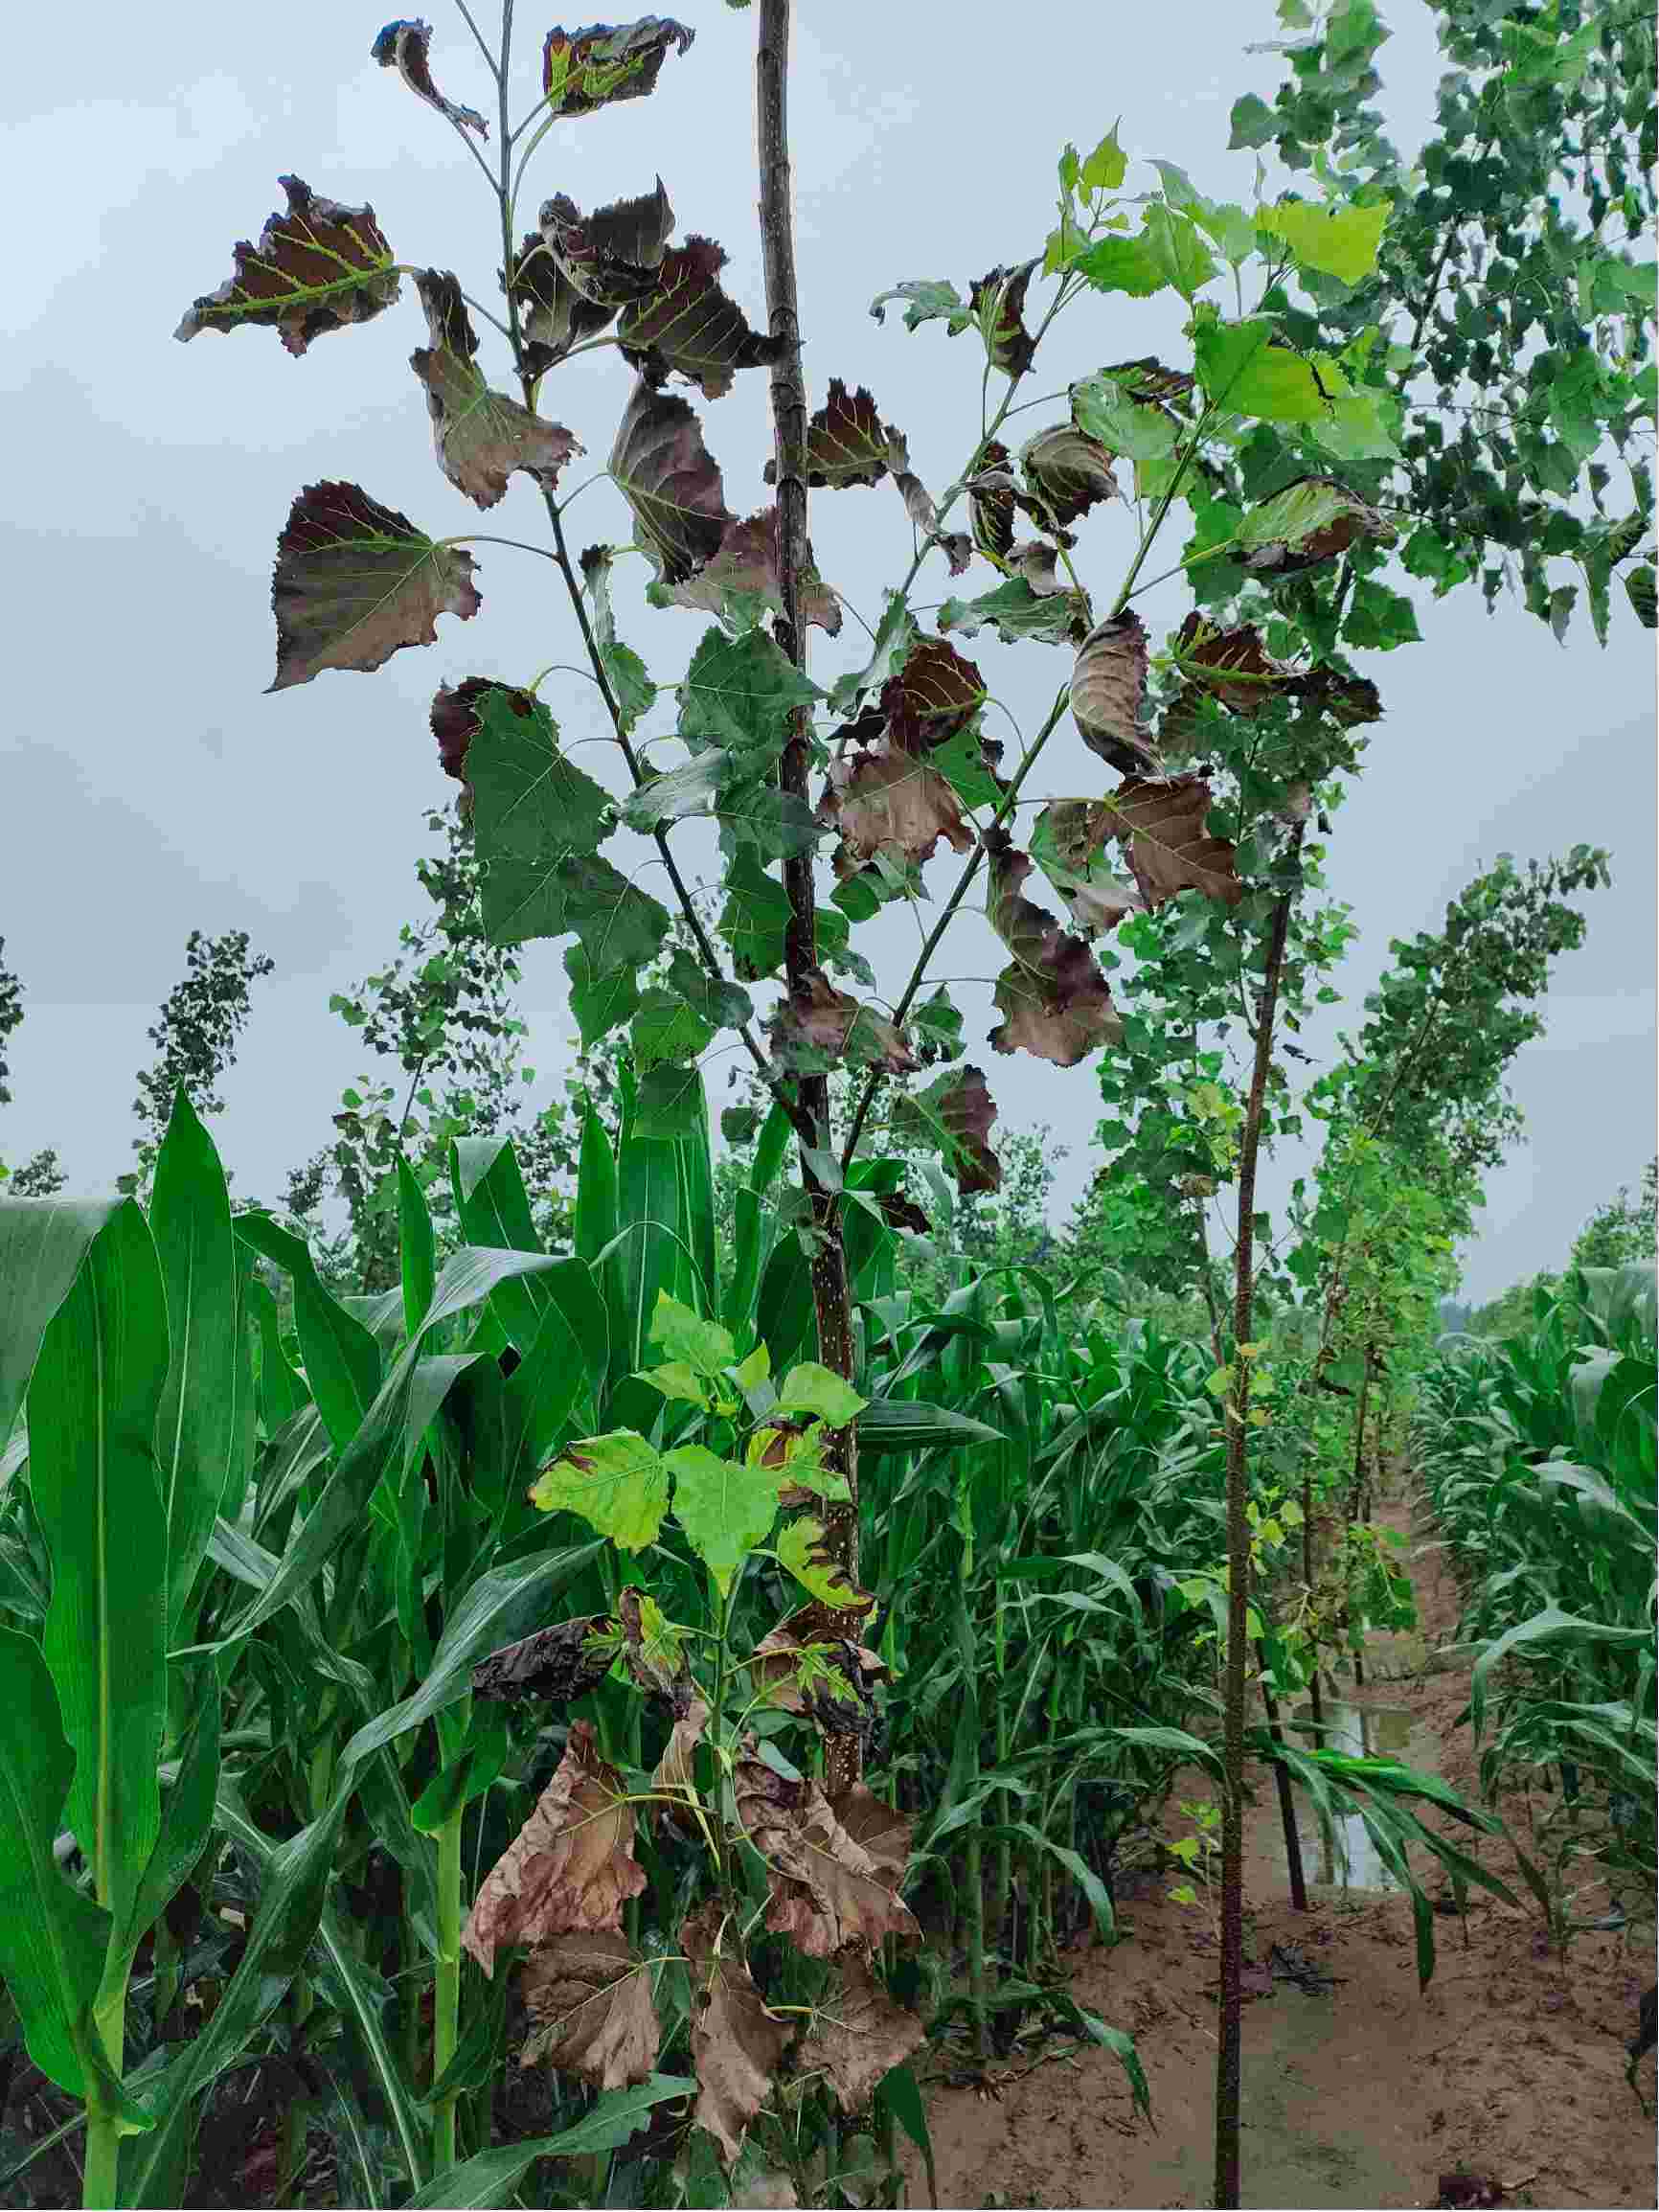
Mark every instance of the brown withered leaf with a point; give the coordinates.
(481, 437)
(1036, 561)
(571, 1867)
(317, 267)
(736, 2045)
(956, 547)
(406, 47)
(687, 324)
(672, 1773)
(885, 800)
(1054, 999)
(1068, 471)
(1076, 832)
(858, 2034)
(1146, 377)
(994, 498)
(553, 315)
(815, 1022)
(583, 71)
(1109, 683)
(614, 257)
(1160, 822)
(998, 298)
(556, 1664)
(356, 582)
(937, 692)
(966, 1110)
(901, 1213)
(747, 560)
(776, 1668)
(1231, 664)
(827, 1888)
(1308, 522)
(1347, 698)
(656, 1656)
(670, 482)
(848, 442)
(589, 2001)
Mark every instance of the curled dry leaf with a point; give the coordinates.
(655, 1649)
(937, 692)
(556, 1665)
(356, 582)
(746, 560)
(858, 2034)
(689, 325)
(589, 2001)
(614, 257)
(583, 71)
(1054, 999)
(670, 482)
(736, 2045)
(1036, 561)
(831, 1679)
(817, 1026)
(998, 300)
(672, 1775)
(570, 1868)
(1161, 823)
(956, 1111)
(886, 801)
(1109, 683)
(552, 317)
(406, 46)
(828, 1887)
(1068, 471)
(1312, 520)
(994, 498)
(1231, 664)
(481, 437)
(316, 269)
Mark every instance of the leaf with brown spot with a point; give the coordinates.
(585, 70)
(1160, 823)
(817, 1027)
(746, 560)
(556, 1665)
(614, 257)
(998, 301)
(481, 437)
(570, 1868)
(454, 723)
(655, 1649)
(1231, 664)
(670, 482)
(827, 1888)
(1309, 522)
(356, 582)
(1054, 999)
(886, 801)
(858, 2034)
(954, 1115)
(830, 1679)
(591, 2013)
(1068, 471)
(1348, 699)
(736, 2045)
(1148, 378)
(1109, 683)
(316, 269)
(406, 47)
(689, 325)
(937, 692)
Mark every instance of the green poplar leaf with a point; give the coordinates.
(1379, 618)
(1253, 123)
(666, 1029)
(1245, 371)
(1174, 246)
(670, 1100)
(1124, 265)
(1015, 611)
(617, 1482)
(740, 693)
(927, 300)
(52, 1936)
(1341, 241)
(673, 1378)
(96, 1486)
(601, 999)
(753, 917)
(1104, 408)
(800, 1550)
(725, 1509)
(722, 1005)
(813, 1388)
(629, 680)
(1106, 168)
(685, 1335)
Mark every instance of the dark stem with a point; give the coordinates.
(1227, 2053)
(1286, 1800)
(832, 1304)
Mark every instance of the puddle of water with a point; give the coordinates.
(1347, 1858)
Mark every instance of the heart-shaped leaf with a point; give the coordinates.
(1161, 823)
(481, 437)
(687, 324)
(356, 582)
(670, 482)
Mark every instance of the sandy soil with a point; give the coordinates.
(1502, 2083)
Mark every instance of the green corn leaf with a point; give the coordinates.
(197, 1426)
(42, 1243)
(908, 1424)
(493, 2176)
(342, 1358)
(96, 1489)
(417, 1246)
(595, 1192)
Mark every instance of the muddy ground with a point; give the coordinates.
(1502, 2082)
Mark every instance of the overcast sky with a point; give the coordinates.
(150, 786)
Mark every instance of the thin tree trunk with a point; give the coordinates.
(1357, 1494)
(1287, 1799)
(1227, 2051)
(831, 1302)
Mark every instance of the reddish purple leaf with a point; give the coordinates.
(316, 269)
(405, 47)
(356, 582)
